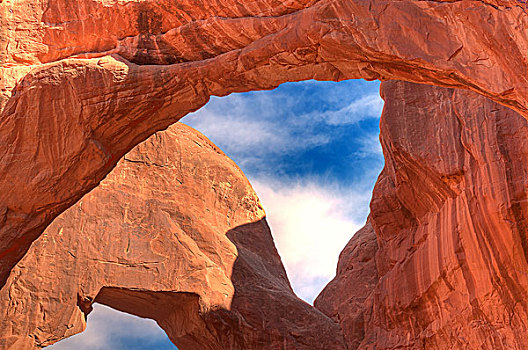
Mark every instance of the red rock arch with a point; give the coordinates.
(73, 103)
(178, 239)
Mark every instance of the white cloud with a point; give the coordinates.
(311, 224)
(369, 145)
(255, 127)
(111, 329)
(259, 126)
(246, 135)
(366, 107)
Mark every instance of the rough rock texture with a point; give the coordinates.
(346, 297)
(174, 233)
(108, 73)
(449, 213)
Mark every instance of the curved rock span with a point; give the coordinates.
(174, 233)
(84, 81)
(442, 261)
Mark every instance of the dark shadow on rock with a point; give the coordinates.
(265, 313)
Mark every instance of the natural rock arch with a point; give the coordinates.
(72, 104)
(175, 233)
(441, 262)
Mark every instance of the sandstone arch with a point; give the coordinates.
(443, 269)
(179, 239)
(66, 69)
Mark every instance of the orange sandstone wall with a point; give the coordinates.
(442, 262)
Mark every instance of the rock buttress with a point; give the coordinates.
(449, 212)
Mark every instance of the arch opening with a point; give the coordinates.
(108, 328)
(312, 183)
(311, 150)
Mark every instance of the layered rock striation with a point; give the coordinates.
(175, 233)
(84, 81)
(442, 261)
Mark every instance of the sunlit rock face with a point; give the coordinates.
(442, 262)
(84, 81)
(174, 233)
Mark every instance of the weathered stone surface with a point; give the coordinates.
(450, 216)
(83, 81)
(347, 298)
(174, 233)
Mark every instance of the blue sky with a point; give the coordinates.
(311, 152)
(315, 129)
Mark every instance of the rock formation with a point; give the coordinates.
(83, 81)
(442, 261)
(348, 297)
(174, 233)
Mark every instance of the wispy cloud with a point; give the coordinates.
(369, 145)
(244, 132)
(111, 329)
(365, 107)
(262, 130)
(256, 124)
(312, 152)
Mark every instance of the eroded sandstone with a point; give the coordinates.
(83, 81)
(447, 265)
(174, 233)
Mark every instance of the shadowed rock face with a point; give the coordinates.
(442, 262)
(84, 81)
(174, 233)
(347, 298)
